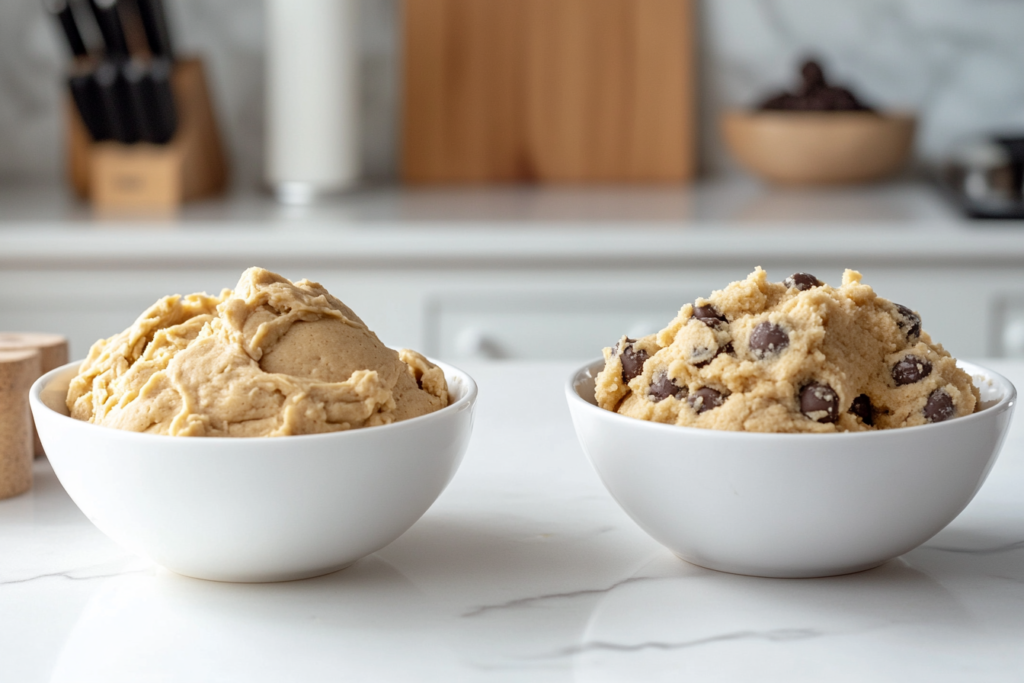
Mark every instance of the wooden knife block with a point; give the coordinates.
(548, 91)
(145, 176)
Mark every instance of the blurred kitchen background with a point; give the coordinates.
(958, 63)
(509, 270)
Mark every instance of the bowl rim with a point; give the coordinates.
(466, 401)
(1006, 402)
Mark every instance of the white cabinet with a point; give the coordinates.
(527, 274)
(528, 314)
(561, 321)
(1006, 325)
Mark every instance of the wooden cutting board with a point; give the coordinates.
(548, 91)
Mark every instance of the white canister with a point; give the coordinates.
(312, 97)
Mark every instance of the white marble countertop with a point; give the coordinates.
(524, 570)
(734, 220)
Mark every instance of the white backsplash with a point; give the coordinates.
(959, 63)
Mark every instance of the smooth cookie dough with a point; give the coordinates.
(795, 356)
(270, 358)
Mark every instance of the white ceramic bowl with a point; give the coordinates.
(255, 509)
(792, 505)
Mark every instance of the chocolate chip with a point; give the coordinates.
(861, 407)
(816, 398)
(911, 369)
(908, 321)
(702, 356)
(766, 339)
(939, 406)
(663, 387)
(802, 281)
(728, 349)
(632, 361)
(708, 315)
(704, 399)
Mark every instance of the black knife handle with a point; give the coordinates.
(135, 76)
(86, 95)
(149, 86)
(116, 102)
(110, 26)
(161, 95)
(62, 10)
(154, 22)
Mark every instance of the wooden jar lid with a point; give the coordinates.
(17, 358)
(53, 348)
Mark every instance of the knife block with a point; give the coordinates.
(548, 91)
(144, 176)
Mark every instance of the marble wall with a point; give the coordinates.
(960, 63)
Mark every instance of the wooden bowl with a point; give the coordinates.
(819, 148)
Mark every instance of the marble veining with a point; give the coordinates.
(70, 575)
(778, 635)
(534, 599)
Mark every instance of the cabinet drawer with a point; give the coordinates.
(543, 325)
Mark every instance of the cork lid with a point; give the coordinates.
(30, 340)
(14, 356)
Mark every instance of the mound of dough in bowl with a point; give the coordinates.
(792, 356)
(270, 358)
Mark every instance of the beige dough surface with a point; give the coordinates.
(270, 358)
(793, 356)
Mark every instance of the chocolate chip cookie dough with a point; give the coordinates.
(270, 358)
(795, 356)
